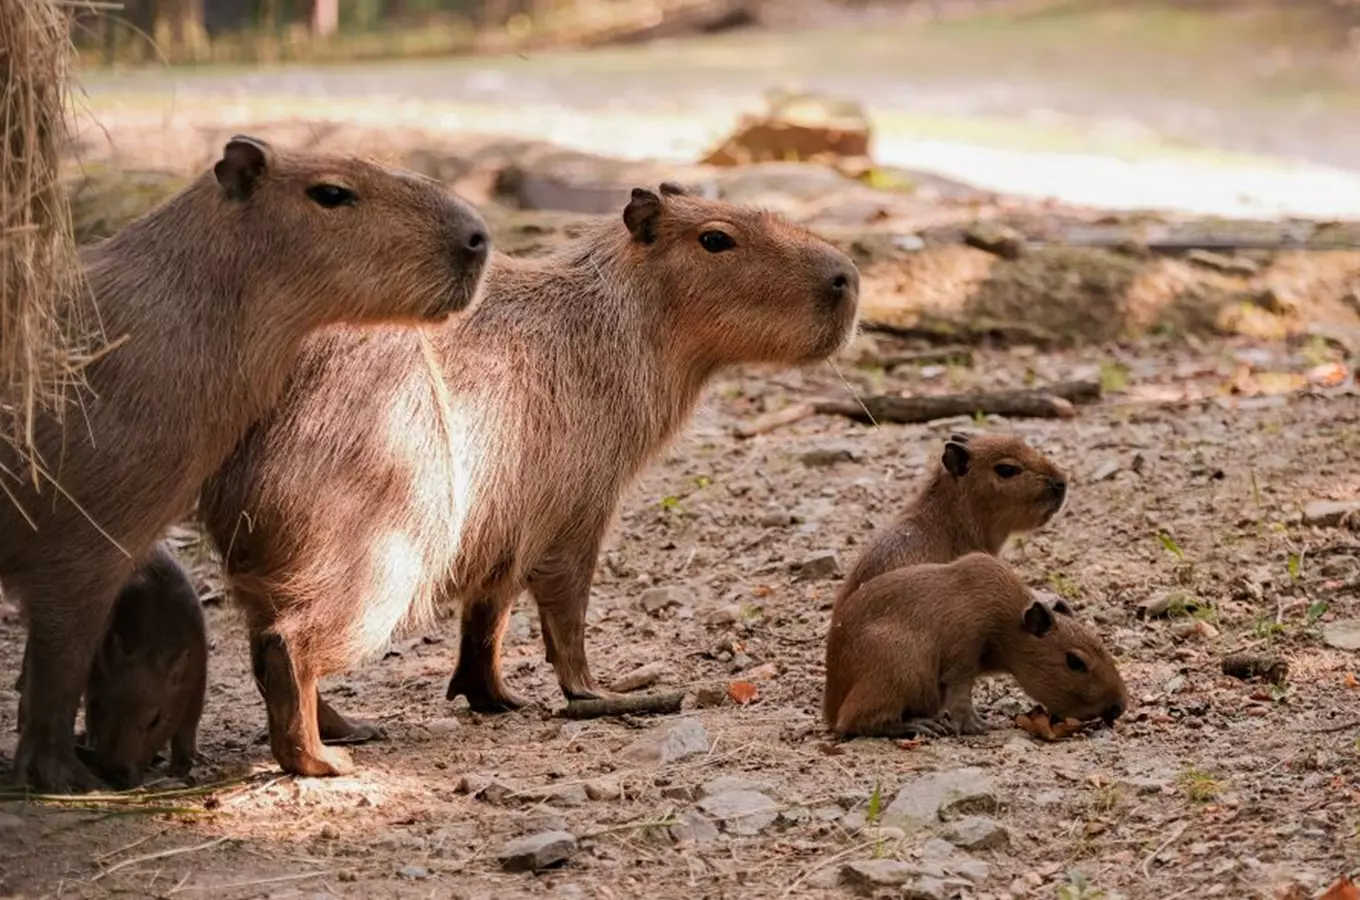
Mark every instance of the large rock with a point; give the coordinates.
(537, 851)
(800, 126)
(669, 743)
(1331, 513)
(874, 877)
(939, 796)
(976, 833)
(741, 812)
(1342, 635)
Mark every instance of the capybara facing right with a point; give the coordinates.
(212, 292)
(467, 463)
(906, 647)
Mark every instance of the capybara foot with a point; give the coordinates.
(971, 723)
(337, 728)
(588, 692)
(326, 762)
(56, 773)
(483, 697)
(941, 727)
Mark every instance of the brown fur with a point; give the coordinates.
(147, 684)
(390, 480)
(906, 647)
(213, 291)
(966, 506)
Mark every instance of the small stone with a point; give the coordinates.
(1332, 513)
(976, 833)
(537, 851)
(559, 795)
(1197, 629)
(828, 813)
(993, 237)
(443, 727)
(827, 456)
(669, 743)
(603, 789)
(473, 784)
(741, 812)
(1174, 684)
(656, 599)
(723, 615)
(1105, 472)
(1154, 606)
(819, 566)
(941, 796)
(710, 697)
(725, 783)
(1342, 635)
(796, 815)
(641, 677)
(925, 888)
(328, 831)
(870, 876)
(693, 828)
(415, 873)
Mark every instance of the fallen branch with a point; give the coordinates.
(796, 412)
(647, 704)
(1053, 402)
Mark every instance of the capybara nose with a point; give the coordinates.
(476, 246)
(1059, 488)
(1112, 712)
(843, 285)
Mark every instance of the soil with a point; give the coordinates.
(1190, 477)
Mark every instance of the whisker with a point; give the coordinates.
(850, 389)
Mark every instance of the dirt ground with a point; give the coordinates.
(1209, 787)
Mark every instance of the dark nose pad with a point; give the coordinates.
(1112, 712)
(1059, 488)
(476, 246)
(844, 285)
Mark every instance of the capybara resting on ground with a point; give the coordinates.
(473, 461)
(212, 293)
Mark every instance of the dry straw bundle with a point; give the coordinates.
(44, 311)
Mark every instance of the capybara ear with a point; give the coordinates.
(641, 215)
(671, 189)
(959, 438)
(1062, 609)
(1039, 619)
(956, 458)
(244, 160)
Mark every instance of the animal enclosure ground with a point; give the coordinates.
(1209, 787)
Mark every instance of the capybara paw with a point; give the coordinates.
(587, 691)
(57, 774)
(327, 762)
(971, 723)
(357, 731)
(928, 727)
(483, 698)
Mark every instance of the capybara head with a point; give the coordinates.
(748, 285)
(1061, 662)
(1007, 485)
(130, 707)
(318, 221)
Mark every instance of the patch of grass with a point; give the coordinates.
(1064, 585)
(1079, 888)
(1316, 610)
(1199, 786)
(1169, 544)
(1265, 628)
(1107, 798)
(1114, 376)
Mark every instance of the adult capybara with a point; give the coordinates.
(906, 647)
(211, 294)
(488, 456)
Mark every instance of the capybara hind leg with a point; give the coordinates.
(478, 673)
(290, 694)
(336, 728)
(68, 609)
(561, 588)
(959, 711)
(184, 742)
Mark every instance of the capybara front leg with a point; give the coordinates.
(958, 706)
(336, 728)
(561, 588)
(68, 608)
(478, 673)
(290, 694)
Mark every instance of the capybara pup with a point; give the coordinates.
(147, 683)
(980, 491)
(211, 294)
(471, 462)
(905, 648)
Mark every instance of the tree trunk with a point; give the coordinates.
(325, 17)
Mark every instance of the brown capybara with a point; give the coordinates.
(982, 490)
(905, 648)
(211, 294)
(488, 456)
(148, 680)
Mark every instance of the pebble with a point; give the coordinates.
(1105, 472)
(976, 833)
(870, 877)
(947, 857)
(1342, 635)
(328, 831)
(603, 789)
(725, 783)
(827, 456)
(723, 615)
(561, 795)
(818, 566)
(537, 851)
(656, 599)
(693, 828)
(669, 743)
(1331, 513)
(641, 677)
(742, 812)
(941, 796)
(443, 727)
(416, 873)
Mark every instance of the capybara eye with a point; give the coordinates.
(331, 195)
(1007, 471)
(1076, 663)
(716, 241)
(155, 720)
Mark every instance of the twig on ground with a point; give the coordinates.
(1332, 729)
(1171, 839)
(830, 861)
(163, 854)
(232, 885)
(649, 704)
(1052, 402)
(796, 412)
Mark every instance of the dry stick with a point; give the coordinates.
(649, 704)
(1175, 835)
(207, 845)
(796, 412)
(1052, 402)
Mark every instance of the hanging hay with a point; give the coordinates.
(44, 310)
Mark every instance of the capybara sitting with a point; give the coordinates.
(488, 456)
(148, 680)
(212, 293)
(982, 490)
(906, 647)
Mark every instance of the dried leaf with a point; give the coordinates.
(1343, 889)
(909, 743)
(1351, 681)
(742, 692)
(1327, 374)
(1043, 726)
(829, 749)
